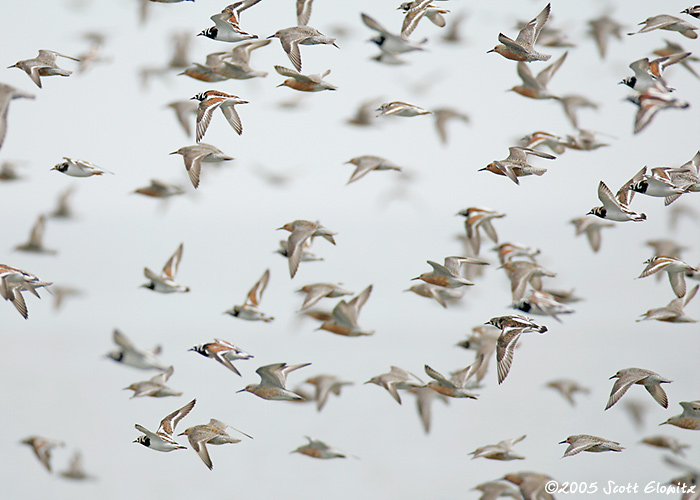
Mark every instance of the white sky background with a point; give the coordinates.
(56, 383)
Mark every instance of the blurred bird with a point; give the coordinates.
(584, 442)
(249, 310)
(391, 45)
(572, 103)
(325, 385)
(667, 443)
(539, 302)
(669, 23)
(42, 448)
(128, 354)
(36, 239)
(160, 189)
(672, 48)
(591, 227)
(503, 450)
(443, 116)
(521, 273)
(7, 94)
(318, 449)
(182, 110)
(536, 87)
(495, 489)
(316, 291)
(154, 387)
(440, 294)
(364, 116)
(477, 218)
(302, 230)
(367, 163)
(673, 312)
(165, 282)
(398, 108)
(567, 388)
(345, 314)
(63, 208)
(75, 470)
(602, 28)
(455, 387)
(304, 83)
(396, 379)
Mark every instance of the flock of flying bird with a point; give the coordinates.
(444, 283)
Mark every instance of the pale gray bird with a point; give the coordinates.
(584, 442)
(628, 377)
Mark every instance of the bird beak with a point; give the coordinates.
(489, 51)
(562, 442)
(271, 36)
(614, 376)
(242, 390)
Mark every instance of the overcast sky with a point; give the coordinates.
(56, 382)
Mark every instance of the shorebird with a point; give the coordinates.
(43, 64)
(390, 44)
(602, 28)
(523, 47)
(226, 23)
(75, 470)
(222, 351)
(616, 207)
(14, 281)
(521, 273)
(212, 433)
(630, 376)
(162, 439)
(456, 387)
(450, 275)
(666, 443)
(302, 230)
(291, 38)
(273, 379)
(511, 329)
(516, 165)
(344, 316)
(195, 155)
(689, 419)
(398, 108)
(675, 268)
(209, 101)
(249, 310)
(165, 282)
